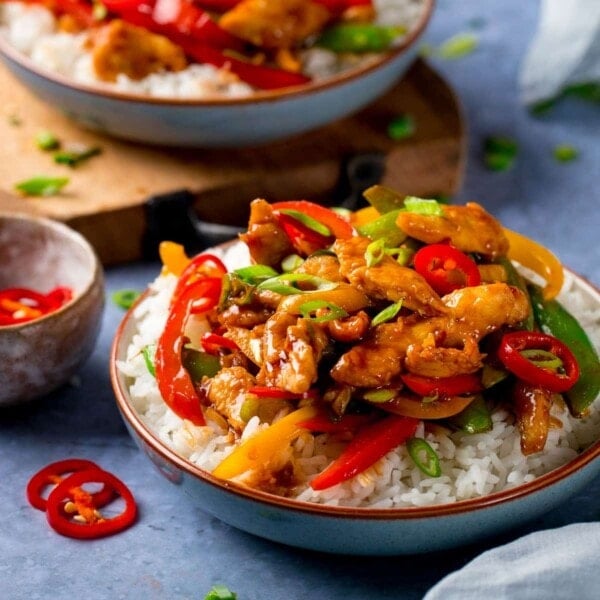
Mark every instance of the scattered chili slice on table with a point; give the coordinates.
(73, 511)
(91, 524)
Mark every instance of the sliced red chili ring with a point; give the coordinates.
(456, 385)
(446, 268)
(97, 526)
(509, 353)
(54, 473)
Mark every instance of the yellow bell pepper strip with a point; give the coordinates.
(260, 449)
(539, 259)
(173, 257)
(369, 445)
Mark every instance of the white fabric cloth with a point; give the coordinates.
(565, 50)
(552, 564)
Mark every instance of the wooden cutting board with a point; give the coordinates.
(105, 199)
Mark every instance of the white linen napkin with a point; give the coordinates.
(564, 51)
(556, 563)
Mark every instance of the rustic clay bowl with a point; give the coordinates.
(38, 356)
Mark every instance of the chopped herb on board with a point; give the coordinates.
(76, 155)
(565, 153)
(15, 120)
(457, 46)
(220, 592)
(401, 127)
(125, 298)
(46, 140)
(500, 153)
(42, 185)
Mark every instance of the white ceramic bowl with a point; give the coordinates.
(261, 118)
(364, 531)
(38, 356)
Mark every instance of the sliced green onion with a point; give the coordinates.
(424, 456)
(404, 255)
(359, 37)
(499, 152)
(383, 198)
(457, 46)
(345, 213)
(307, 221)
(42, 185)
(220, 592)
(385, 228)
(249, 408)
(565, 153)
(125, 298)
(375, 252)
(148, 354)
(380, 395)
(542, 358)
(291, 263)
(46, 140)
(284, 284)
(254, 274)
(401, 128)
(312, 306)
(423, 206)
(386, 314)
(75, 156)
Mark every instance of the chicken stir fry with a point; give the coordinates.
(388, 322)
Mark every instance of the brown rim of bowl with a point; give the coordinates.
(65, 231)
(128, 412)
(257, 97)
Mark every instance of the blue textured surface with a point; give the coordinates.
(176, 551)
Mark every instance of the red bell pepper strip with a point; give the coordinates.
(54, 473)
(509, 352)
(369, 445)
(443, 386)
(94, 525)
(201, 268)
(339, 227)
(174, 18)
(174, 382)
(446, 268)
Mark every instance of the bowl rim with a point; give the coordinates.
(95, 276)
(150, 439)
(260, 97)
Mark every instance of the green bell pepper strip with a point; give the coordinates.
(554, 319)
(476, 418)
(383, 199)
(359, 37)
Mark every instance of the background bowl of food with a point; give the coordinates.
(358, 386)
(51, 301)
(210, 73)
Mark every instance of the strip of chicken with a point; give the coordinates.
(441, 346)
(387, 280)
(469, 228)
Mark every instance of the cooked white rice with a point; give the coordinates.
(32, 29)
(472, 465)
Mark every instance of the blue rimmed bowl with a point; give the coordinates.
(264, 117)
(361, 531)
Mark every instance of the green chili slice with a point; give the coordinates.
(386, 314)
(359, 37)
(291, 262)
(375, 252)
(307, 221)
(125, 298)
(332, 311)
(42, 185)
(424, 456)
(286, 284)
(148, 353)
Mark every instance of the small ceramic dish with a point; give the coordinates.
(263, 117)
(38, 356)
(366, 531)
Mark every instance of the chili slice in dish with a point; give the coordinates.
(446, 268)
(556, 380)
(20, 305)
(86, 522)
